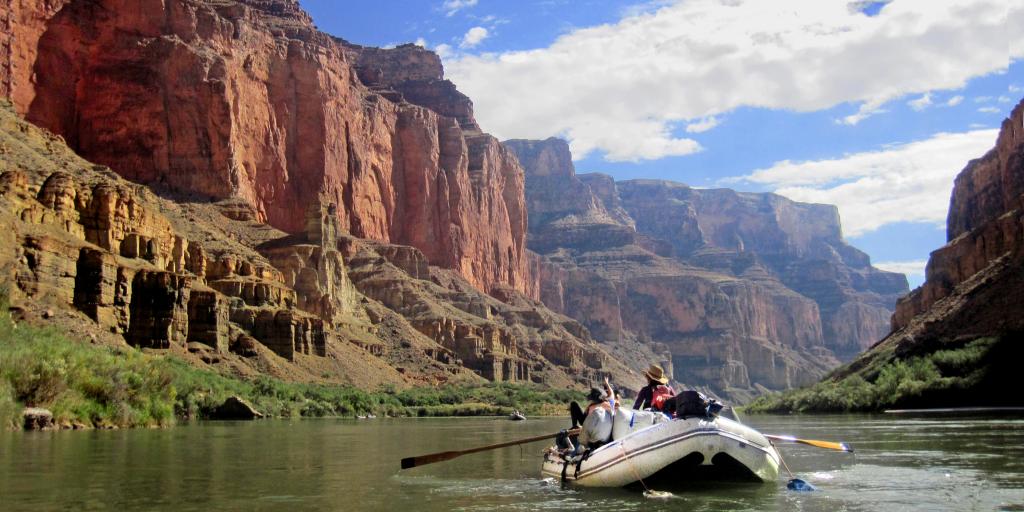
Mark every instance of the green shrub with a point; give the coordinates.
(942, 377)
(122, 387)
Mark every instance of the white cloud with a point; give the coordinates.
(989, 110)
(702, 125)
(866, 110)
(910, 268)
(473, 37)
(982, 99)
(921, 103)
(900, 183)
(954, 101)
(1004, 99)
(1015, 88)
(451, 7)
(421, 42)
(977, 126)
(443, 50)
(698, 58)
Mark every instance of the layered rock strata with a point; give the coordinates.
(221, 99)
(211, 283)
(737, 292)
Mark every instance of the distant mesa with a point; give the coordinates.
(738, 292)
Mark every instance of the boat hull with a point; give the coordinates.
(678, 449)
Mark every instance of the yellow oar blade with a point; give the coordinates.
(830, 445)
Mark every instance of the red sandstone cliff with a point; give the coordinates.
(322, 211)
(983, 225)
(738, 292)
(214, 99)
(105, 259)
(964, 323)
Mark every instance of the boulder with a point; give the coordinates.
(36, 418)
(236, 408)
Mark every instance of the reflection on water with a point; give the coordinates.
(900, 464)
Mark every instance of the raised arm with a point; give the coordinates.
(641, 398)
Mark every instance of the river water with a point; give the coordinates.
(901, 463)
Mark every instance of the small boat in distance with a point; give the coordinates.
(517, 416)
(671, 451)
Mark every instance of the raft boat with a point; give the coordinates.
(670, 451)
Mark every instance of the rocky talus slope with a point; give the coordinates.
(734, 291)
(267, 199)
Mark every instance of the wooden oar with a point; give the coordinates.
(843, 447)
(411, 462)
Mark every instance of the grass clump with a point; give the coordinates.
(80, 384)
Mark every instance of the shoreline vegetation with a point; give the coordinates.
(962, 373)
(90, 386)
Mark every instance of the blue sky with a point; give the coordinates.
(872, 106)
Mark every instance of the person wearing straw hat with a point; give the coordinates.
(656, 391)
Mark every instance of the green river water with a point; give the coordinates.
(901, 463)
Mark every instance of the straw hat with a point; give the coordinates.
(656, 374)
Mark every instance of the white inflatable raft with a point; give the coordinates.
(670, 452)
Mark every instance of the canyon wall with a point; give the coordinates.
(734, 291)
(219, 180)
(963, 324)
(110, 261)
(983, 225)
(212, 99)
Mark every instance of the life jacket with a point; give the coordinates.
(659, 395)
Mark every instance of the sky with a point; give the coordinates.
(873, 106)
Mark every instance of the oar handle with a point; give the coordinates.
(411, 462)
(572, 432)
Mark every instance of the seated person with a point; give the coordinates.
(656, 392)
(596, 421)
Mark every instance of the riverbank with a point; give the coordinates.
(961, 373)
(94, 386)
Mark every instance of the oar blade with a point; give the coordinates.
(422, 460)
(843, 447)
(830, 445)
